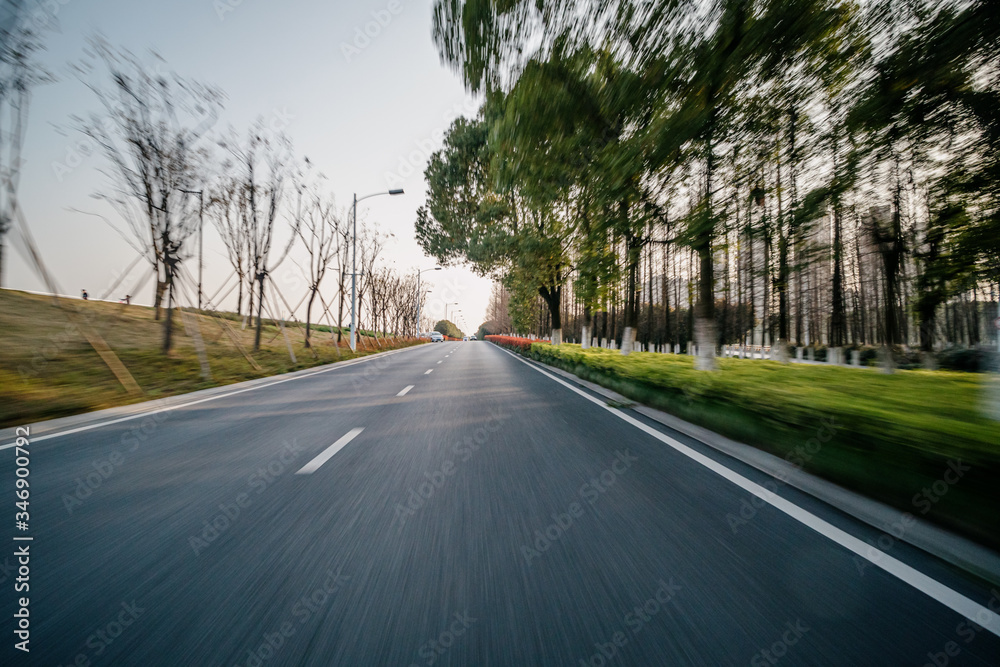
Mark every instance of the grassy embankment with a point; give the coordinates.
(893, 436)
(48, 369)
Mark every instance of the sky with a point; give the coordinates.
(358, 87)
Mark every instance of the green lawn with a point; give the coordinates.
(888, 436)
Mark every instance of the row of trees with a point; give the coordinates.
(729, 171)
(168, 172)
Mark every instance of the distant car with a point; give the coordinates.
(436, 337)
(473, 337)
(465, 338)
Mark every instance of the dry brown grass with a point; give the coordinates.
(48, 369)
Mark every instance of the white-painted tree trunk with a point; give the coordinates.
(628, 337)
(557, 336)
(704, 333)
(585, 338)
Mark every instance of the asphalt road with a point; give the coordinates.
(489, 515)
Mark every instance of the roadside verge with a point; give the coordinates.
(781, 452)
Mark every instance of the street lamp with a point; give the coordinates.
(453, 313)
(446, 306)
(419, 295)
(354, 258)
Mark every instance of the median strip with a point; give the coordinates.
(328, 453)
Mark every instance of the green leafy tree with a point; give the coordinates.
(448, 328)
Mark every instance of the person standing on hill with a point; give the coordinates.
(83, 292)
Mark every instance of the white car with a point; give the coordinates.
(436, 337)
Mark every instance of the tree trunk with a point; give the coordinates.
(665, 289)
(633, 251)
(309, 315)
(239, 296)
(838, 320)
(260, 308)
(340, 311)
(705, 335)
(168, 322)
(552, 298)
(158, 290)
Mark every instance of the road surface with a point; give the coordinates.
(452, 505)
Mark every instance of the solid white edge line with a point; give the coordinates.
(405, 389)
(144, 413)
(328, 453)
(954, 600)
(429, 371)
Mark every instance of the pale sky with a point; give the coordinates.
(367, 110)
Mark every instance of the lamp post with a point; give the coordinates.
(419, 295)
(354, 258)
(201, 224)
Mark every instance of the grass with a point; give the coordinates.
(48, 369)
(887, 436)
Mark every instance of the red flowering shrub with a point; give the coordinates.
(521, 345)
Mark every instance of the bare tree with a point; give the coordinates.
(19, 73)
(147, 130)
(224, 208)
(317, 224)
(370, 246)
(260, 161)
